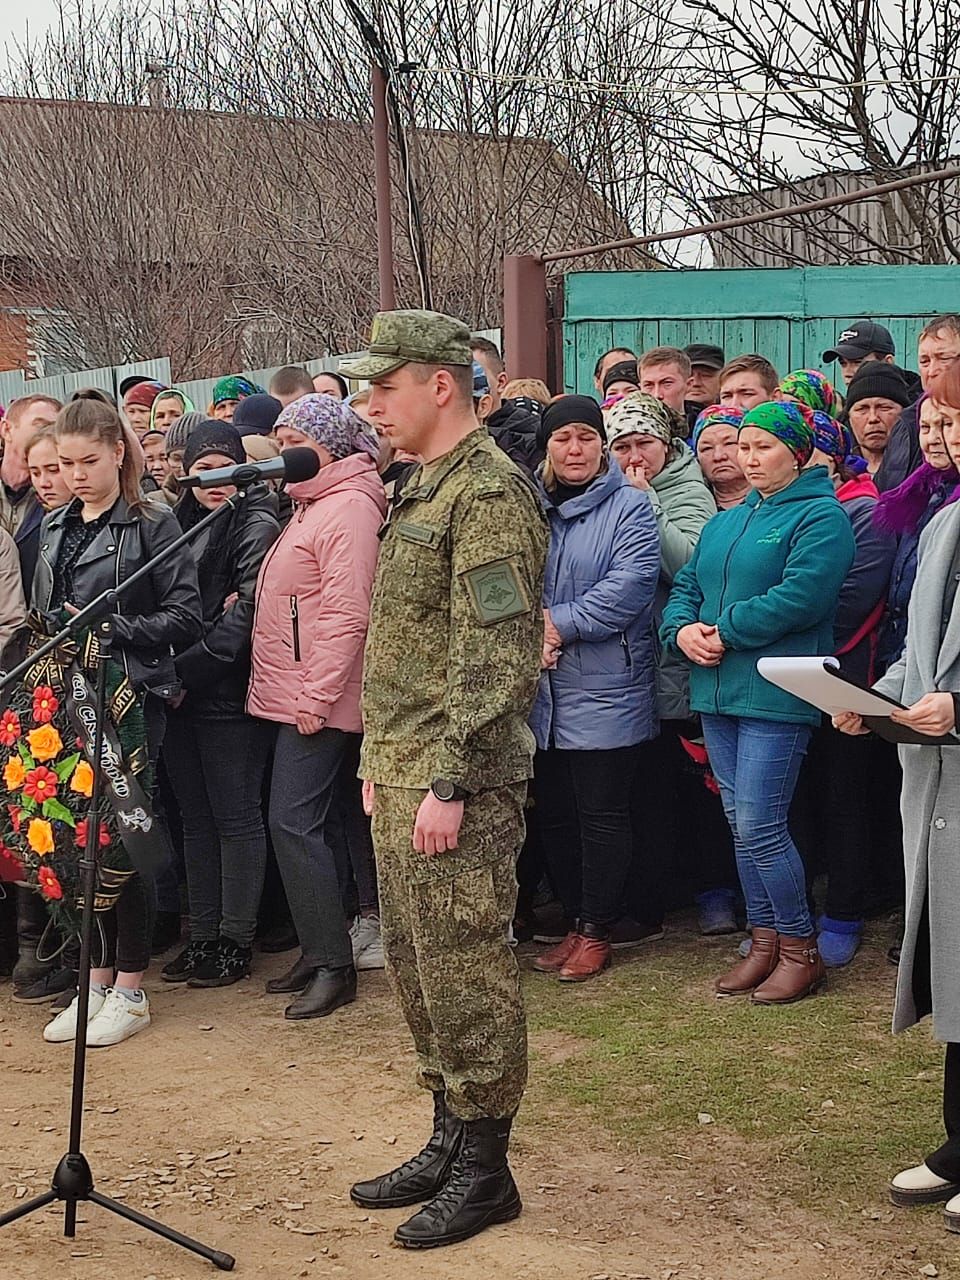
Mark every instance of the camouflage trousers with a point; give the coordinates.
(444, 920)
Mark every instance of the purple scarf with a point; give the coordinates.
(900, 510)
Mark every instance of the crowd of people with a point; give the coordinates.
(703, 510)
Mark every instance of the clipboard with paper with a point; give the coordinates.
(820, 682)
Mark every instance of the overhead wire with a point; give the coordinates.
(686, 90)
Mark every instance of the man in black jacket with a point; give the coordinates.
(512, 425)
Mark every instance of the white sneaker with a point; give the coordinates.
(951, 1214)
(63, 1028)
(367, 943)
(921, 1185)
(118, 1019)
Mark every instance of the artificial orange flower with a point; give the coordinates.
(81, 834)
(40, 836)
(40, 784)
(9, 728)
(44, 743)
(82, 780)
(44, 704)
(14, 773)
(49, 884)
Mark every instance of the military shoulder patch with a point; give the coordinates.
(496, 592)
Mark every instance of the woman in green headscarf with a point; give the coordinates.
(167, 408)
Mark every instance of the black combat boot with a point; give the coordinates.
(32, 922)
(479, 1192)
(424, 1174)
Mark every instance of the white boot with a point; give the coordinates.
(63, 1028)
(921, 1185)
(118, 1019)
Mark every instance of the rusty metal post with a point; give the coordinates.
(381, 155)
(525, 317)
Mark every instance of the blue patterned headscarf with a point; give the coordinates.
(332, 423)
(716, 415)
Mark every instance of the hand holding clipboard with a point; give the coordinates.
(820, 682)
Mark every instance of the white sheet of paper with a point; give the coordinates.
(809, 679)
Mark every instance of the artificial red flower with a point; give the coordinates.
(11, 868)
(9, 728)
(40, 784)
(49, 884)
(45, 704)
(15, 811)
(81, 836)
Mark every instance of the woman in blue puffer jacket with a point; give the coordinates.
(597, 698)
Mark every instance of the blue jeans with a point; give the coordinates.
(756, 764)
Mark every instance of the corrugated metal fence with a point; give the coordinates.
(14, 384)
(200, 391)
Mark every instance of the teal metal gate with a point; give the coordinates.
(790, 316)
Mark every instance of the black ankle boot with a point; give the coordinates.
(479, 1192)
(32, 922)
(327, 990)
(424, 1174)
(293, 981)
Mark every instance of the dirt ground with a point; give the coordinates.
(244, 1130)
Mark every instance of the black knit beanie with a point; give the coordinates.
(257, 415)
(214, 437)
(566, 411)
(877, 379)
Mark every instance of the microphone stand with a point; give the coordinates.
(73, 1178)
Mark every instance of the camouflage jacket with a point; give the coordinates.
(456, 626)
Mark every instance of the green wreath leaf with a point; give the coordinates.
(59, 812)
(65, 768)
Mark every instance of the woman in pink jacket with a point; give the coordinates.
(312, 607)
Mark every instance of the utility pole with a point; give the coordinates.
(381, 154)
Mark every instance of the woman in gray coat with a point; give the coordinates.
(926, 679)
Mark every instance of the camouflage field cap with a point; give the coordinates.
(404, 337)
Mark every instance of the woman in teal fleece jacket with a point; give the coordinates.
(764, 582)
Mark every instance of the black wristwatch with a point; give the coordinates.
(447, 791)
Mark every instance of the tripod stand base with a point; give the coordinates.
(73, 1182)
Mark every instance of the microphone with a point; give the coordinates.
(293, 465)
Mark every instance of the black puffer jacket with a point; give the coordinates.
(216, 669)
(514, 430)
(159, 615)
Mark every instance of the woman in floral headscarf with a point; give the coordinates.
(227, 394)
(310, 624)
(812, 388)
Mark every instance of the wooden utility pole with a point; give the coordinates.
(381, 154)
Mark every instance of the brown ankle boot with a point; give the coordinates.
(799, 973)
(589, 957)
(752, 969)
(552, 961)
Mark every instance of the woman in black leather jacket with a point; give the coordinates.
(216, 755)
(96, 541)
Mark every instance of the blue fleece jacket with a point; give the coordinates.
(768, 574)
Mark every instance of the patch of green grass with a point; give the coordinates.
(654, 1047)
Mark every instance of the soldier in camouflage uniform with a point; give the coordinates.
(451, 669)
